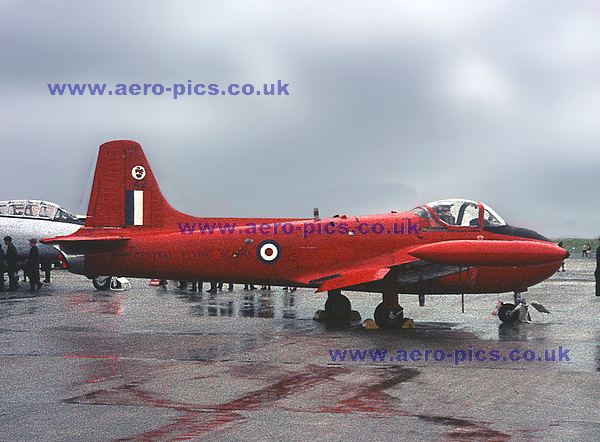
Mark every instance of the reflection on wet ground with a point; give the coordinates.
(150, 364)
(251, 304)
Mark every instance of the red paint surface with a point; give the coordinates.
(497, 263)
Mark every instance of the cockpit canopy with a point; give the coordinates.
(461, 213)
(37, 209)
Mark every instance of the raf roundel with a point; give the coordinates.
(268, 251)
(138, 172)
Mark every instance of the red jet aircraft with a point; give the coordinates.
(445, 247)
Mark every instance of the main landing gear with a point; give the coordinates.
(337, 306)
(337, 309)
(388, 314)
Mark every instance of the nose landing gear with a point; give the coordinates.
(505, 312)
(102, 282)
(519, 311)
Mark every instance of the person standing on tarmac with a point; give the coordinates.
(46, 268)
(2, 268)
(597, 272)
(33, 266)
(11, 264)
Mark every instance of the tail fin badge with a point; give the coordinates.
(138, 173)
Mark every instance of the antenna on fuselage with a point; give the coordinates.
(316, 214)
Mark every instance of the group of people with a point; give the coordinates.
(9, 263)
(586, 251)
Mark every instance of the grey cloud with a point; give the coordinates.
(390, 106)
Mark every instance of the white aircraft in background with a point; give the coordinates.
(25, 219)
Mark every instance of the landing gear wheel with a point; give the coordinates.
(338, 307)
(389, 317)
(505, 313)
(102, 282)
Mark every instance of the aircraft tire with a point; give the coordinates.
(505, 313)
(338, 307)
(102, 283)
(387, 317)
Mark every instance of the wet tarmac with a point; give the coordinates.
(149, 364)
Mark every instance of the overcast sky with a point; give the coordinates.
(391, 104)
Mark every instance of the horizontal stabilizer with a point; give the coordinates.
(72, 239)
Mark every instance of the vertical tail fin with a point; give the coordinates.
(125, 192)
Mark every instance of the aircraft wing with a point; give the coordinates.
(405, 268)
(434, 260)
(351, 278)
(405, 274)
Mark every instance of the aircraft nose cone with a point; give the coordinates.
(567, 254)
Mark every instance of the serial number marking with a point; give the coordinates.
(240, 254)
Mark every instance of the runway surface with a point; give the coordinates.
(149, 364)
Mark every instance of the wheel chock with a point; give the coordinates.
(408, 323)
(369, 324)
(321, 316)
